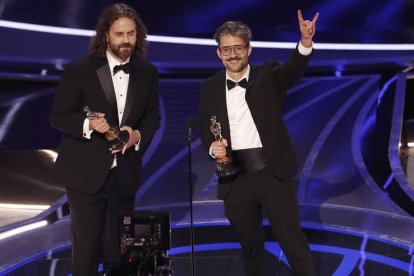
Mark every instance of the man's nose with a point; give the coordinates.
(233, 52)
(125, 39)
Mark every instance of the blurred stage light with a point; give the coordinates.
(50, 153)
(22, 229)
(24, 206)
(211, 42)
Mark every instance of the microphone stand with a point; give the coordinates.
(190, 125)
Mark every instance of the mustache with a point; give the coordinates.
(233, 58)
(125, 45)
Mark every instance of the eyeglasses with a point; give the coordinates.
(238, 49)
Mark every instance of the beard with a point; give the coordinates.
(122, 51)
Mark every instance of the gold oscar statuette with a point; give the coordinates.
(225, 166)
(116, 138)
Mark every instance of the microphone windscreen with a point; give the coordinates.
(190, 122)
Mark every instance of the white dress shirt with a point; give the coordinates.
(120, 81)
(243, 131)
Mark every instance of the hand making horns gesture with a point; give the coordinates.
(307, 29)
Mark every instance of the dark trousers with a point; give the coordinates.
(95, 226)
(249, 195)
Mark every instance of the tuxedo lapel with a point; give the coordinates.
(105, 78)
(135, 78)
(252, 80)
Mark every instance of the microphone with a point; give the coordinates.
(190, 125)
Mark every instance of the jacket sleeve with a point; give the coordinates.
(205, 111)
(67, 115)
(289, 74)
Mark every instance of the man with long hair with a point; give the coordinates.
(247, 101)
(113, 86)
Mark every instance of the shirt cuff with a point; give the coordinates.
(86, 131)
(305, 51)
(137, 144)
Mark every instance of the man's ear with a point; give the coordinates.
(249, 50)
(218, 53)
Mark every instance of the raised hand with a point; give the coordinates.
(307, 29)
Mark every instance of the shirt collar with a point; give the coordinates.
(112, 61)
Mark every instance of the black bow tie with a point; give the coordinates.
(123, 67)
(231, 84)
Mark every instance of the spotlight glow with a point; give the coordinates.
(210, 42)
(22, 229)
(52, 154)
(24, 206)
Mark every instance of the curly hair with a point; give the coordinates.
(113, 12)
(234, 28)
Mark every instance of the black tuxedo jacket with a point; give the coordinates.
(83, 164)
(267, 87)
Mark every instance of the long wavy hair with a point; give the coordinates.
(113, 12)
